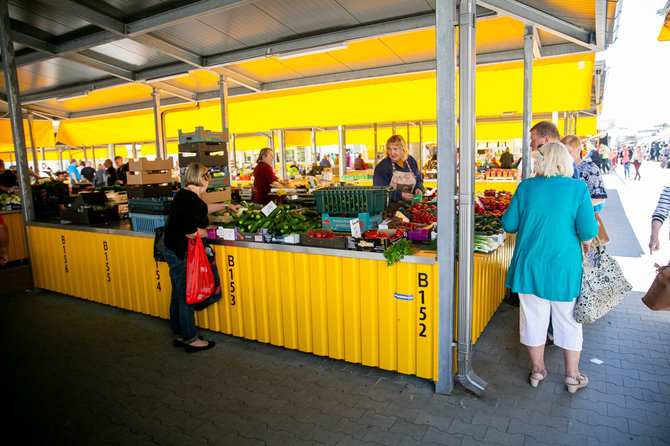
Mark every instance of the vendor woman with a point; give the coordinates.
(265, 178)
(399, 170)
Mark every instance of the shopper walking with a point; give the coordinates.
(658, 217)
(637, 162)
(551, 214)
(625, 160)
(187, 220)
(587, 172)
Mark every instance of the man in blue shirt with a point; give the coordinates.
(75, 176)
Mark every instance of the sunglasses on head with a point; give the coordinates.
(207, 176)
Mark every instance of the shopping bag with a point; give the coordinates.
(199, 276)
(603, 286)
(216, 295)
(159, 244)
(658, 296)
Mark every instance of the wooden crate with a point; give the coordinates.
(218, 196)
(145, 164)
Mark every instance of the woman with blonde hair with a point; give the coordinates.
(553, 217)
(187, 220)
(399, 170)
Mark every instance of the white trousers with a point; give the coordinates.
(534, 321)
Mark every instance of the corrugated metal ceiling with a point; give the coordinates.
(70, 48)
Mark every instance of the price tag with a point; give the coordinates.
(312, 182)
(267, 210)
(355, 228)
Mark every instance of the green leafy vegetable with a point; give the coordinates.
(398, 251)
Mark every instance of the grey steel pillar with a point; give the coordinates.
(60, 159)
(231, 138)
(421, 154)
(223, 102)
(317, 156)
(527, 99)
(282, 150)
(466, 375)
(374, 127)
(83, 148)
(95, 162)
(36, 166)
(15, 114)
(342, 146)
(135, 151)
(574, 125)
(565, 124)
(445, 14)
(160, 148)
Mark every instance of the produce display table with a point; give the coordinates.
(17, 238)
(343, 304)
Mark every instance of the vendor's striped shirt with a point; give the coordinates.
(663, 206)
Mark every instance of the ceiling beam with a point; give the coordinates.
(148, 105)
(105, 67)
(175, 91)
(34, 42)
(112, 30)
(542, 20)
(237, 78)
(88, 14)
(170, 50)
(175, 16)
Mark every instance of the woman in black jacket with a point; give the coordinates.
(187, 220)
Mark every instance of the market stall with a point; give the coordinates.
(287, 67)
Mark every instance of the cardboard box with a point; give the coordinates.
(148, 177)
(258, 236)
(218, 196)
(145, 164)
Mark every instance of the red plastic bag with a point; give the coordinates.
(199, 276)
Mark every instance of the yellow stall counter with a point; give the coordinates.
(346, 305)
(17, 237)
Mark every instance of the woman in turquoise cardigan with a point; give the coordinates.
(551, 214)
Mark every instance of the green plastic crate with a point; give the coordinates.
(352, 200)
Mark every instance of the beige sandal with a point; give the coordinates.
(582, 381)
(536, 382)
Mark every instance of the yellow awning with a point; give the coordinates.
(558, 84)
(43, 134)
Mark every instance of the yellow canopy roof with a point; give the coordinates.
(559, 84)
(43, 134)
(664, 35)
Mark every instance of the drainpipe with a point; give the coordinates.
(466, 375)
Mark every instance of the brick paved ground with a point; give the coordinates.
(76, 372)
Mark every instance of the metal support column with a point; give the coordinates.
(467, 59)
(160, 149)
(421, 150)
(282, 150)
(95, 161)
(527, 99)
(565, 124)
(223, 102)
(445, 14)
(134, 151)
(574, 125)
(374, 127)
(36, 167)
(60, 159)
(15, 114)
(342, 146)
(232, 151)
(317, 157)
(83, 148)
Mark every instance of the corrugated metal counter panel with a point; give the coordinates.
(490, 271)
(17, 238)
(353, 309)
(110, 269)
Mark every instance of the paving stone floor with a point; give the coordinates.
(81, 373)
